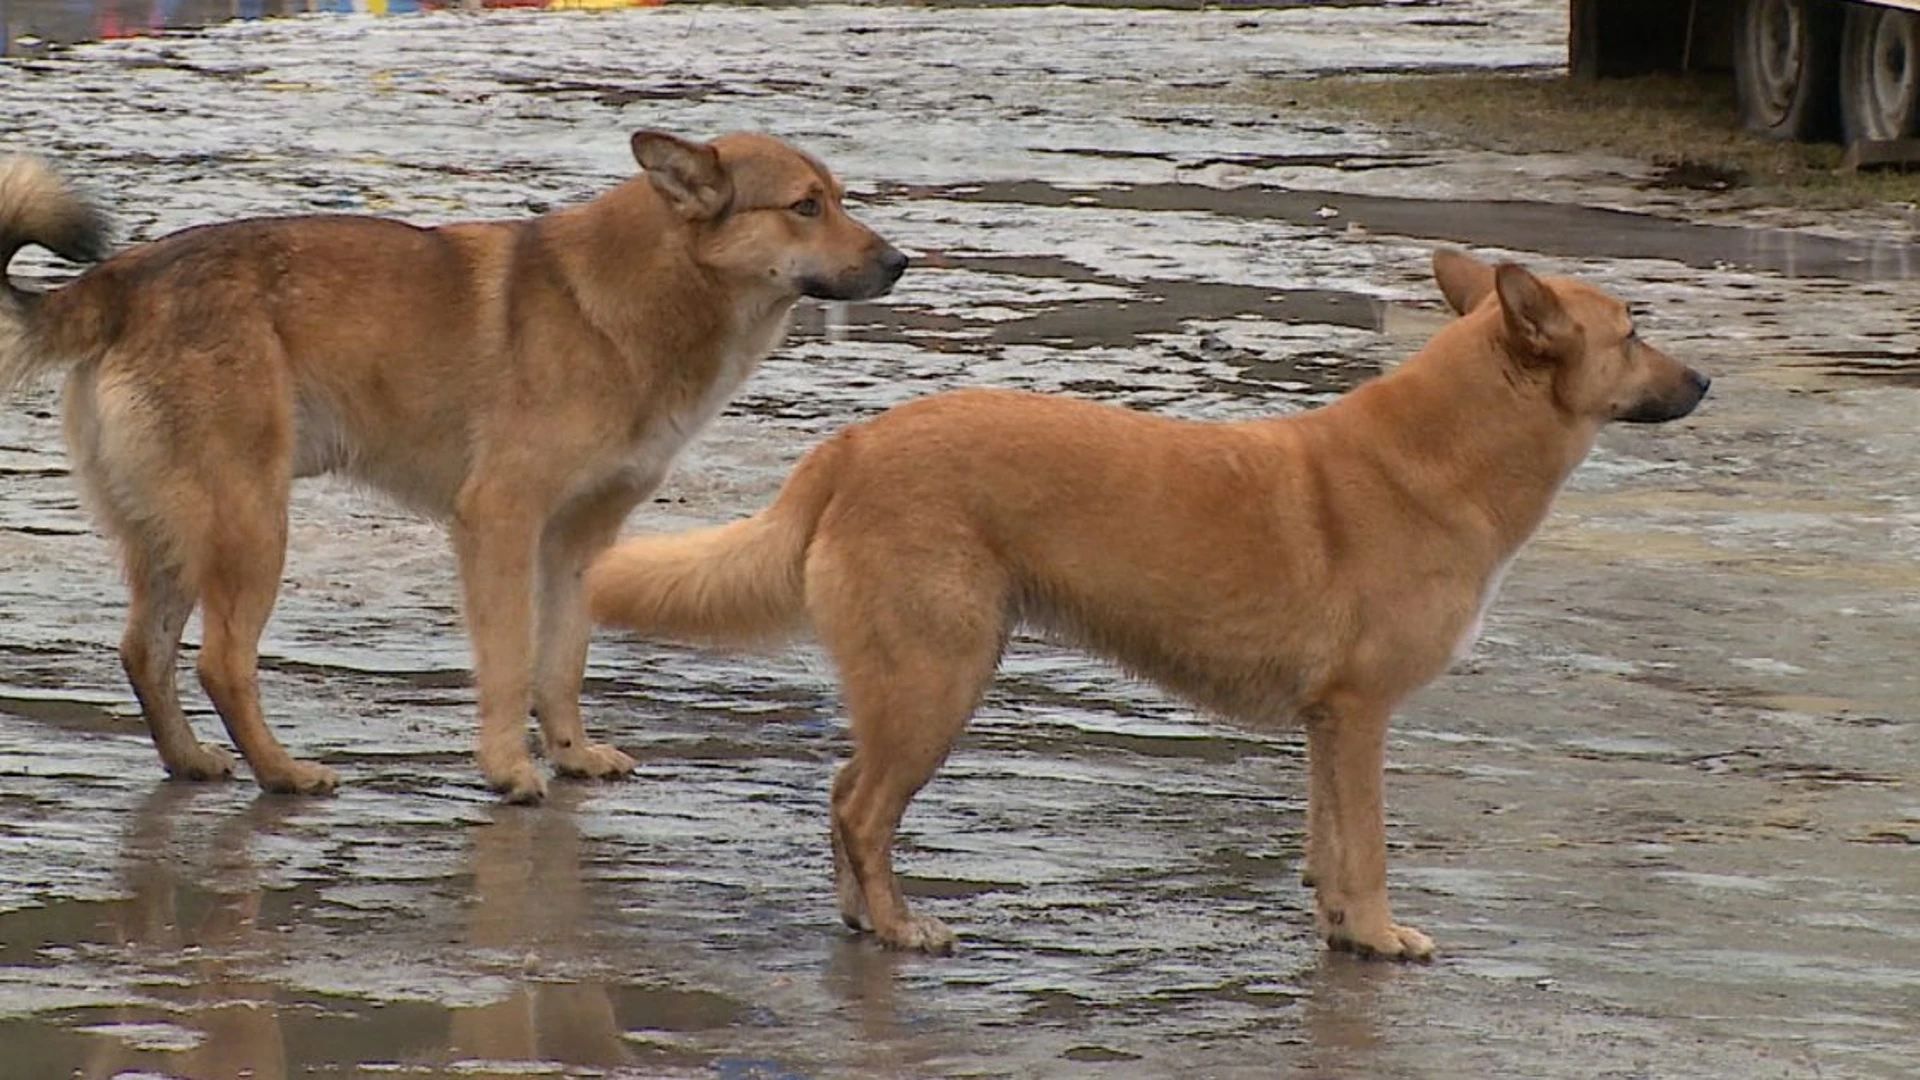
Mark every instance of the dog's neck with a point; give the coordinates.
(646, 280)
(1483, 431)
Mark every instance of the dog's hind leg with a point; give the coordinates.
(244, 551)
(112, 437)
(157, 612)
(846, 884)
(561, 632)
(916, 647)
(1346, 751)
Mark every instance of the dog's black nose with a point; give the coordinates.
(1699, 380)
(893, 262)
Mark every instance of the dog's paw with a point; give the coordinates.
(207, 762)
(918, 933)
(595, 761)
(517, 781)
(1390, 942)
(301, 778)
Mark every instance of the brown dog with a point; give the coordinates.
(1315, 567)
(528, 381)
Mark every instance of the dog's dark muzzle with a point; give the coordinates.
(871, 280)
(1673, 406)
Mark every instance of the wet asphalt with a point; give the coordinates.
(1664, 823)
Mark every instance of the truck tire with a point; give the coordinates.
(1784, 55)
(1880, 73)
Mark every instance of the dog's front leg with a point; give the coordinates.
(495, 535)
(1346, 752)
(570, 540)
(1320, 824)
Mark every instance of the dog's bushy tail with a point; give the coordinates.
(737, 584)
(38, 207)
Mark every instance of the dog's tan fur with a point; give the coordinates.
(1313, 568)
(529, 382)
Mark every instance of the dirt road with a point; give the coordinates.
(1664, 823)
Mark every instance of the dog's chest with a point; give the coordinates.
(670, 427)
(1488, 594)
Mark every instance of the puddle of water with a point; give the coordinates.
(548, 1028)
(1553, 228)
(1106, 313)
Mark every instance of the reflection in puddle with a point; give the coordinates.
(185, 973)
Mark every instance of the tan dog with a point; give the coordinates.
(1313, 568)
(528, 381)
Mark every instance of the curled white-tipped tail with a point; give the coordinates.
(37, 207)
(738, 584)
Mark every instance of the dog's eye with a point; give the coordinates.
(807, 207)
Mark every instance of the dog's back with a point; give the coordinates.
(1105, 527)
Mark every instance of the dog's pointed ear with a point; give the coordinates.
(688, 174)
(1537, 325)
(1463, 279)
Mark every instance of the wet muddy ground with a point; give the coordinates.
(1664, 823)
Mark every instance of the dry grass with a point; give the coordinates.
(1683, 123)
